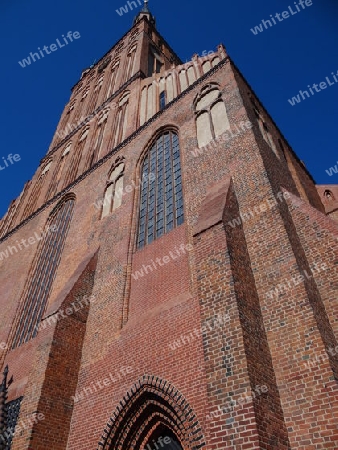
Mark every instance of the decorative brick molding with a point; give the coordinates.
(150, 403)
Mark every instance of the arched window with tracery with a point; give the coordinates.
(161, 199)
(43, 271)
(121, 119)
(211, 115)
(113, 193)
(36, 191)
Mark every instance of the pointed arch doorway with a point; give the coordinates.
(152, 415)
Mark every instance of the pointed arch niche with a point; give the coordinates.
(113, 193)
(211, 115)
(152, 411)
(121, 119)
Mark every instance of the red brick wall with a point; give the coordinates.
(229, 271)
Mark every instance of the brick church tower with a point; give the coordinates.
(169, 275)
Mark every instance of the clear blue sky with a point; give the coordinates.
(278, 62)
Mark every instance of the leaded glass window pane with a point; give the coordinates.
(12, 410)
(161, 199)
(43, 273)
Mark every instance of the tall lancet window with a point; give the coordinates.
(43, 271)
(95, 94)
(95, 152)
(113, 193)
(121, 119)
(211, 116)
(58, 172)
(161, 200)
(110, 85)
(35, 194)
(130, 62)
(76, 157)
(8, 218)
(79, 109)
